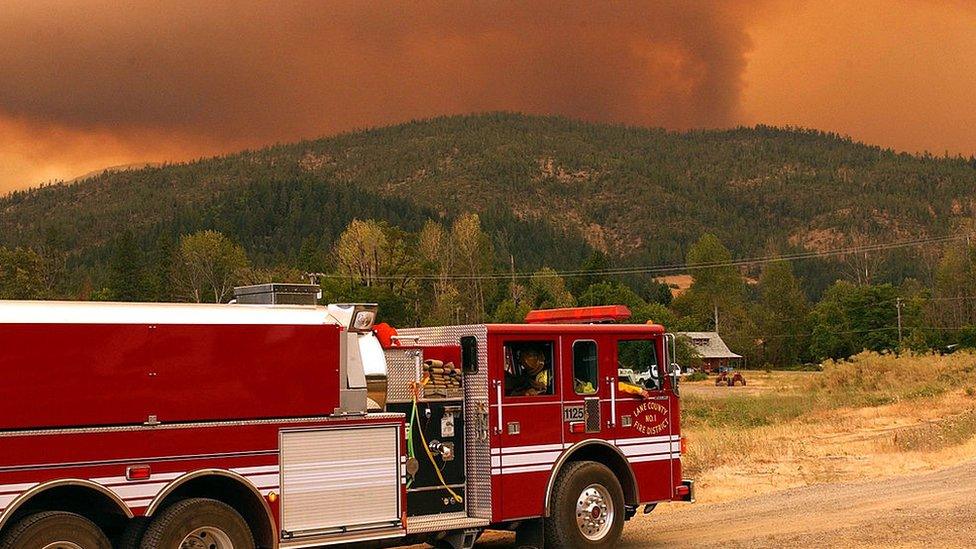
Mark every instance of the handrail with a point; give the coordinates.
(498, 396)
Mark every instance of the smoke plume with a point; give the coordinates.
(84, 86)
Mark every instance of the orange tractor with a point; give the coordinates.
(727, 376)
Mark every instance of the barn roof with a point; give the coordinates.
(709, 345)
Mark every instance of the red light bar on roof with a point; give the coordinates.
(578, 315)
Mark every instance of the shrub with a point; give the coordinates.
(888, 378)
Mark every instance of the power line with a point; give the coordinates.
(674, 267)
(845, 309)
(899, 301)
(905, 301)
(841, 332)
(955, 298)
(941, 328)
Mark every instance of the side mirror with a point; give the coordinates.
(675, 370)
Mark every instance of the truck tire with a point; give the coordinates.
(587, 507)
(55, 530)
(198, 523)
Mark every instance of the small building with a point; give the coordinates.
(712, 351)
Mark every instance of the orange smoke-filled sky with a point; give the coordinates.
(86, 85)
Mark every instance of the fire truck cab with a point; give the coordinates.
(273, 422)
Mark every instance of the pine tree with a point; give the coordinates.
(594, 269)
(781, 315)
(126, 281)
(21, 274)
(311, 258)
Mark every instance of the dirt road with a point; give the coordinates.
(935, 509)
(931, 509)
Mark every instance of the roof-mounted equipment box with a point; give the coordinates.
(278, 294)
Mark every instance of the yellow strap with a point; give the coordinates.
(430, 456)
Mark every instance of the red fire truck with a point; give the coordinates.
(272, 422)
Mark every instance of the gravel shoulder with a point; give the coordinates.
(931, 509)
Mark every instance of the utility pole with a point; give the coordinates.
(514, 298)
(716, 318)
(899, 305)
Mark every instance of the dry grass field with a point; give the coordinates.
(876, 415)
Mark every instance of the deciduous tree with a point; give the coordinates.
(851, 318)
(716, 299)
(474, 254)
(209, 265)
(548, 290)
(361, 251)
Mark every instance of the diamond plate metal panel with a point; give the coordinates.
(401, 372)
(444, 521)
(477, 446)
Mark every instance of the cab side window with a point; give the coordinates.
(637, 363)
(585, 371)
(529, 368)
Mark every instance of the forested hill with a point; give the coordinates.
(549, 191)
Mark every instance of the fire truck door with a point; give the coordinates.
(642, 425)
(529, 439)
(587, 364)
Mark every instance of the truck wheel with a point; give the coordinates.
(55, 530)
(587, 508)
(198, 523)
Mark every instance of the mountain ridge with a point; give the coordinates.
(641, 195)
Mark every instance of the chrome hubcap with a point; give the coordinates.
(207, 538)
(62, 545)
(594, 512)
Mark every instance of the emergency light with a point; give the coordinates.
(578, 315)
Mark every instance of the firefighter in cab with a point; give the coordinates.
(533, 377)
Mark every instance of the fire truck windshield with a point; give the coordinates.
(640, 356)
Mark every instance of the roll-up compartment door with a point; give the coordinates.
(340, 479)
